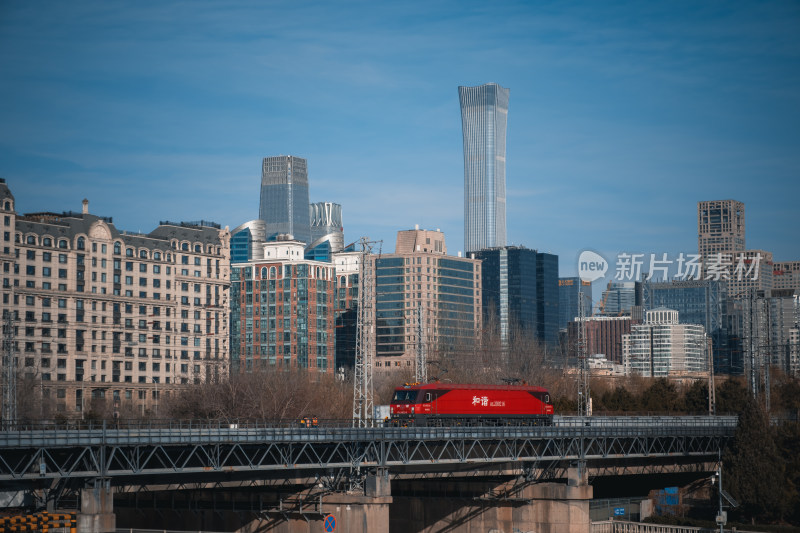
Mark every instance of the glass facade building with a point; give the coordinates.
(424, 297)
(484, 116)
(247, 241)
(520, 292)
(704, 303)
(570, 291)
(284, 205)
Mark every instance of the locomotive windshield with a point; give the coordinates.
(405, 396)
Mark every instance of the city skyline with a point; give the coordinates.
(624, 116)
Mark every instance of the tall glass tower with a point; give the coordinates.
(484, 114)
(284, 197)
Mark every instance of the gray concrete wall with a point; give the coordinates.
(541, 508)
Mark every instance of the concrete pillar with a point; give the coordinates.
(464, 506)
(351, 513)
(556, 508)
(97, 510)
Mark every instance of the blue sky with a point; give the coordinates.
(622, 114)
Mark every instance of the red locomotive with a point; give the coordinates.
(439, 404)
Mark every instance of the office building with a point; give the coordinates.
(247, 239)
(720, 227)
(108, 318)
(348, 266)
(620, 297)
(786, 275)
(547, 298)
(603, 336)
(703, 302)
(520, 293)
(327, 232)
(282, 311)
(484, 115)
(570, 292)
(423, 297)
(767, 324)
(662, 347)
(284, 205)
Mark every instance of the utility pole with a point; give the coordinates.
(584, 398)
(712, 396)
(421, 371)
(768, 355)
(9, 371)
(363, 415)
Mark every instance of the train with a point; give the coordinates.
(440, 404)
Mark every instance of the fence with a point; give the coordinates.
(618, 526)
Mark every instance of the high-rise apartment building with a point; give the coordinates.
(284, 205)
(520, 292)
(662, 347)
(484, 116)
(111, 318)
(419, 290)
(720, 227)
(570, 293)
(282, 311)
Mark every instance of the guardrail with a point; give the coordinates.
(619, 526)
(257, 431)
(172, 424)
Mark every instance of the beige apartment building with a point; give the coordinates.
(423, 300)
(107, 319)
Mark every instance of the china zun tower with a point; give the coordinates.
(484, 114)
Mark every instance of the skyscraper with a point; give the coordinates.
(520, 293)
(441, 301)
(720, 227)
(484, 115)
(284, 206)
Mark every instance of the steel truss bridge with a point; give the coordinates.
(173, 452)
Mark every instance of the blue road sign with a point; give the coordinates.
(330, 523)
(619, 511)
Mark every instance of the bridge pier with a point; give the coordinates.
(364, 512)
(479, 506)
(97, 510)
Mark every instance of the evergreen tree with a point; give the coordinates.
(661, 396)
(754, 469)
(695, 399)
(731, 396)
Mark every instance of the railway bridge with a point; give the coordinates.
(258, 476)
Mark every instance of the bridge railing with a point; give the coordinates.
(343, 424)
(619, 526)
